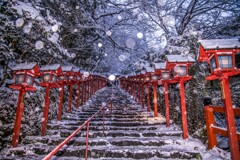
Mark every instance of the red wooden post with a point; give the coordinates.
(143, 96)
(135, 91)
(230, 119)
(139, 92)
(86, 90)
(212, 139)
(60, 102)
(45, 112)
(155, 99)
(70, 97)
(183, 109)
(166, 104)
(18, 120)
(83, 89)
(148, 98)
(78, 95)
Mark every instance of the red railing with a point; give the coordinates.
(213, 130)
(86, 123)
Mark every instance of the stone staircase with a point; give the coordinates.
(131, 133)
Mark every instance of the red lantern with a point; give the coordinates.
(179, 65)
(24, 75)
(223, 57)
(49, 80)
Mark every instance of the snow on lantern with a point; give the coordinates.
(223, 57)
(77, 80)
(24, 75)
(180, 64)
(69, 80)
(49, 80)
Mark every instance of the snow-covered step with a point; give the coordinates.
(140, 152)
(120, 141)
(124, 133)
(100, 119)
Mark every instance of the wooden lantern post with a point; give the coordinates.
(179, 64)
(24, 75)
(77, 81)
(148, 74)
(62, 80)
(69, 79)
(160, 69)
(49, 75)
(223, 57)
(147, 78)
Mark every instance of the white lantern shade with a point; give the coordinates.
(19, 79)
(180, 71)
(155, 77)
(225, 61)
(165, 75)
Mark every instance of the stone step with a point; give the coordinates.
(148, 132)
(100, 128)
(100, 119)
(140, 152)
(97, 126)
(107, 141)
(107, 115)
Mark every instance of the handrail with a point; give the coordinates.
(86, 123)
(213, 130)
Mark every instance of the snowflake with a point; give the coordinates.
(39, 45)
(19, 22)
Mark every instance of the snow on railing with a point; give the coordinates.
(86, 123)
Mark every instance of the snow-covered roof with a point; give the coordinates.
(150, 69)
(50, 67)
(160, 65)
(75, 69)
(24, 66)
(220, 43)
(143, 71)
(179, 58)
(66, 68)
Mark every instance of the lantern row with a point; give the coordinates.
(53, 76)
(223, 57)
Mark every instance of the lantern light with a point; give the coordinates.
(19, 79)
(165, 75)
(155, 77)
(180, 70)
(225, 61)
(147, 78)
(29, 80)
(47, 78)
(61, 78)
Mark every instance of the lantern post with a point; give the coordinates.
(160, 69)
(223, 57)
(77, 81)
(148, 76)
(62, 80)
(179, 65)
(24, 75)
(49, 75)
